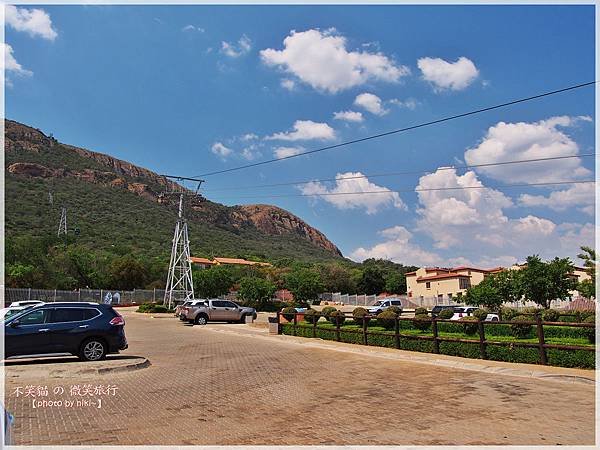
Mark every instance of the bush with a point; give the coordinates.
(470, 325)
(327, 310)
(159, 309)
(421, 311)
(550, 315)
(446, 314)
(582, 316)
(590, 332)
(480, 313)
(145, 307)
(387, 319)
(396, 309)
(359, 315)
(521, 330)
(508, 313)
(531, 310)
(152, 308)
(422, 322)
(311, 316)
(289, 313)
(336, 317)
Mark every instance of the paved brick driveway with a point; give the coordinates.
(206, 386)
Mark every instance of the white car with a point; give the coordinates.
(26, 303)
(382, 305)
(465, 311)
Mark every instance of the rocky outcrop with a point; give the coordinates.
(30, 153)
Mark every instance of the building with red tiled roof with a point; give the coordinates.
(218, 261)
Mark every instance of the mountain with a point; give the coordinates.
(114, 204)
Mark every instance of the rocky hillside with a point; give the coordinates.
(116, 203)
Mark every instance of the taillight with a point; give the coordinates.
(459, 314)
(117, 321)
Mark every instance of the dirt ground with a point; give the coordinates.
(206, 385)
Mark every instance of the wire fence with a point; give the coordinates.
(113, 296)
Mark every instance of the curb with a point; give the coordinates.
(143, 363)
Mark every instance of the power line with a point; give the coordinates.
(389, 174)
(401, 130)
(389, 191)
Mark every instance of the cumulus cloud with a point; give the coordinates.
(248, 137)
(523, 140)
(244, 45)
(371, 103)
(578, 195)
(321, 60)
(288, 84)
(348, 116)
(349, 183)
(305, 130)
(251, 152)
(221, 150)
(286, 152)
(191, 28)
(10, 64)
(409, 103)
(444, 75)
(35, 22)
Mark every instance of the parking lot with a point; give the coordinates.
(231, 384)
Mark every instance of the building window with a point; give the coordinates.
(450, 296)
(464, 283)
(428, 285)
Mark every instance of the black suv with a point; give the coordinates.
(87, 330)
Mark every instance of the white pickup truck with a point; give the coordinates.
(215, 310)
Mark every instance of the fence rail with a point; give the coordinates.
(82, 295)
(541, 345)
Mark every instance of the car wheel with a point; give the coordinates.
(200, 320)
(243, 319)
(93, 350)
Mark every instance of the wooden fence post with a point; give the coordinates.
(295, 322)
(541, 341)
(365, 334)
(337, 328)
(397, 333)
(434, 330)
(278, 322)
(314, 330)
(482, 346)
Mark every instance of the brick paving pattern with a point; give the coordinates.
(212, 388)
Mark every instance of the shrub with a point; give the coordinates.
(508, 313)
(422, 322)
(531, 310)
(480, 314)
(387, 319)
(359, 314)
(145, 307)
(519, 329)
(327, 310)
(289, 313)
(421, 311)
(159, 309)
(470, 325)
(582, 316)
(446, 314)
(590, 332)
(311, 316)
(336, 317)
(550, 315)
(396, 309)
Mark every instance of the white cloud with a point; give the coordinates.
(578, 195)
(348, 116)
(574, 235)
(371, 103)
(409, 103)
(447, 75)
(305, 130)
(532, 225)
(522, 140)
(193, 28)
(221, 150)
(321, 60)
(244, 45)
(251, 152)
(285, 152)
(249, 137)
(349, 183)
(35, 22)
(288, 84)
(11, 65)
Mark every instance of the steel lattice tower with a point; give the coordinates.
(62, 225)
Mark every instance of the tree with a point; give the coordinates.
(256, 291)
(127, 273)
(508, 285)
(304, 284)
(543, 282)
(337, 278)
(213, 282)
(371, 281)
(486, 294)
(395, 283)
(587, 288)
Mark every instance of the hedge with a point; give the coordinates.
(556, 357)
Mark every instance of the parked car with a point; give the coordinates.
(439, 308)
(181, 310)
(25, 303)
(7, 425)
(87, 330)
(217, 310)
(382, 305)
(5, 313)
(462, 311)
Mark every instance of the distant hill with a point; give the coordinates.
(115, 204)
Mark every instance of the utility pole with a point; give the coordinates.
(180, 283)
(62, 225)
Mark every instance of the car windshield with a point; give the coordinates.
(378, 303)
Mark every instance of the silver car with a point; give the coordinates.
(216, 310)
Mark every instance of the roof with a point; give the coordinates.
(198, 260)
(240, 261)
(475, 269)
(410, 273)
(441, 276)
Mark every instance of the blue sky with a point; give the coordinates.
(194, 89)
